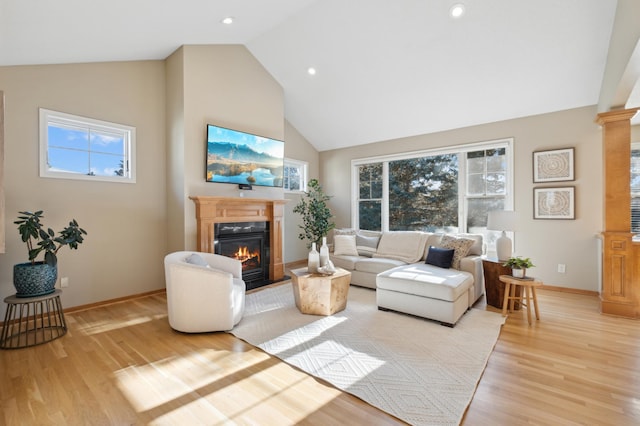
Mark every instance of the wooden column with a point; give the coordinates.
(620, 290)
(211, 210)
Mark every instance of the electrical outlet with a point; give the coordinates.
(64, 282)
(561, 268)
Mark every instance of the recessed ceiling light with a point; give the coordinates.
(457, 10)
(311, 71)
(228, 20)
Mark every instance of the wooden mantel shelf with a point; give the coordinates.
(212, 210)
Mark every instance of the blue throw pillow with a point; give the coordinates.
(440, 257)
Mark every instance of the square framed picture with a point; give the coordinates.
(553, 166)
(554, 203)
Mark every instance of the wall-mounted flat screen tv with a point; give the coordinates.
(243, 158)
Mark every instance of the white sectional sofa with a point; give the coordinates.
(411, 277)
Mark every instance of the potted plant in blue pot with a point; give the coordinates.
(37, 278)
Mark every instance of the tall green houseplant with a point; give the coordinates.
(316, 215)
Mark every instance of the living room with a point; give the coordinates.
(131, 227)
(172, 100)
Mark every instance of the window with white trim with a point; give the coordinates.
(440, 190)
(635, 189)
(295, 175)
(75, 147)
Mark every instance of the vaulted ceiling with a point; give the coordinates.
(384, 68)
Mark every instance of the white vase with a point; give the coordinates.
(518, 273)
(314, 260)
(324, 252)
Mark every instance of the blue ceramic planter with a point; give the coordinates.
(32, 280)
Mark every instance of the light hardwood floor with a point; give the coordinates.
(122, 364)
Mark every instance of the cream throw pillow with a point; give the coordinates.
(460, 245)
(367, 245)
(344, 245)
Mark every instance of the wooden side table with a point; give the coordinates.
(493, 287)
(529, 285)
(318, 294)
(31, 321)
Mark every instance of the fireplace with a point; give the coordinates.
(247, 242)
(214, 212)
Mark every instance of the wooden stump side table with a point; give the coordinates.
(31, 321)
(493, 287)
(317, 294)
(529, 288)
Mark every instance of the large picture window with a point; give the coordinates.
(448, 190)
(74, 147)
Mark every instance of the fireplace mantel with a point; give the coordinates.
(211, 210)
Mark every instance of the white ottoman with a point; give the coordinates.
(426, 291)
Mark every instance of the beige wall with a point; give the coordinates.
(547, 242)
(223, 85)
(176, 195)
(2, 214)
(296, 148)
(126, 223)
(226, 86)
(132, 226)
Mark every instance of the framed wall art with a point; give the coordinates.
(553, 166)
(554, 203)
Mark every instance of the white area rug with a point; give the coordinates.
(415, 369)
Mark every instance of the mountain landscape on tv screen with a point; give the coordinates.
(238, 163)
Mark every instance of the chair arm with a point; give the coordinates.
(201, 279)
(223, 263)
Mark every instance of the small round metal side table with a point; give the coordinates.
(31, 321)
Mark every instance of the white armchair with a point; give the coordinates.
(205, 291)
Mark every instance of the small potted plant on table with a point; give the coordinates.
(37, 278)
(519, 266)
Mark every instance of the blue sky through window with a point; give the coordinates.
(85, 151)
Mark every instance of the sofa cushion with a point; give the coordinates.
(345, 262)
(376, 265)
(407, 246)
(440, 257)
(433, 240)
(367, 245)
(344, 245)
(460, 245)
(425, 280)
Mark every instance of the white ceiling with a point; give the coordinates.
(385, 68)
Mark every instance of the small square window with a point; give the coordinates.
(295, 175)
(75, 147)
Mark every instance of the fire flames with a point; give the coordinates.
(245, 256)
